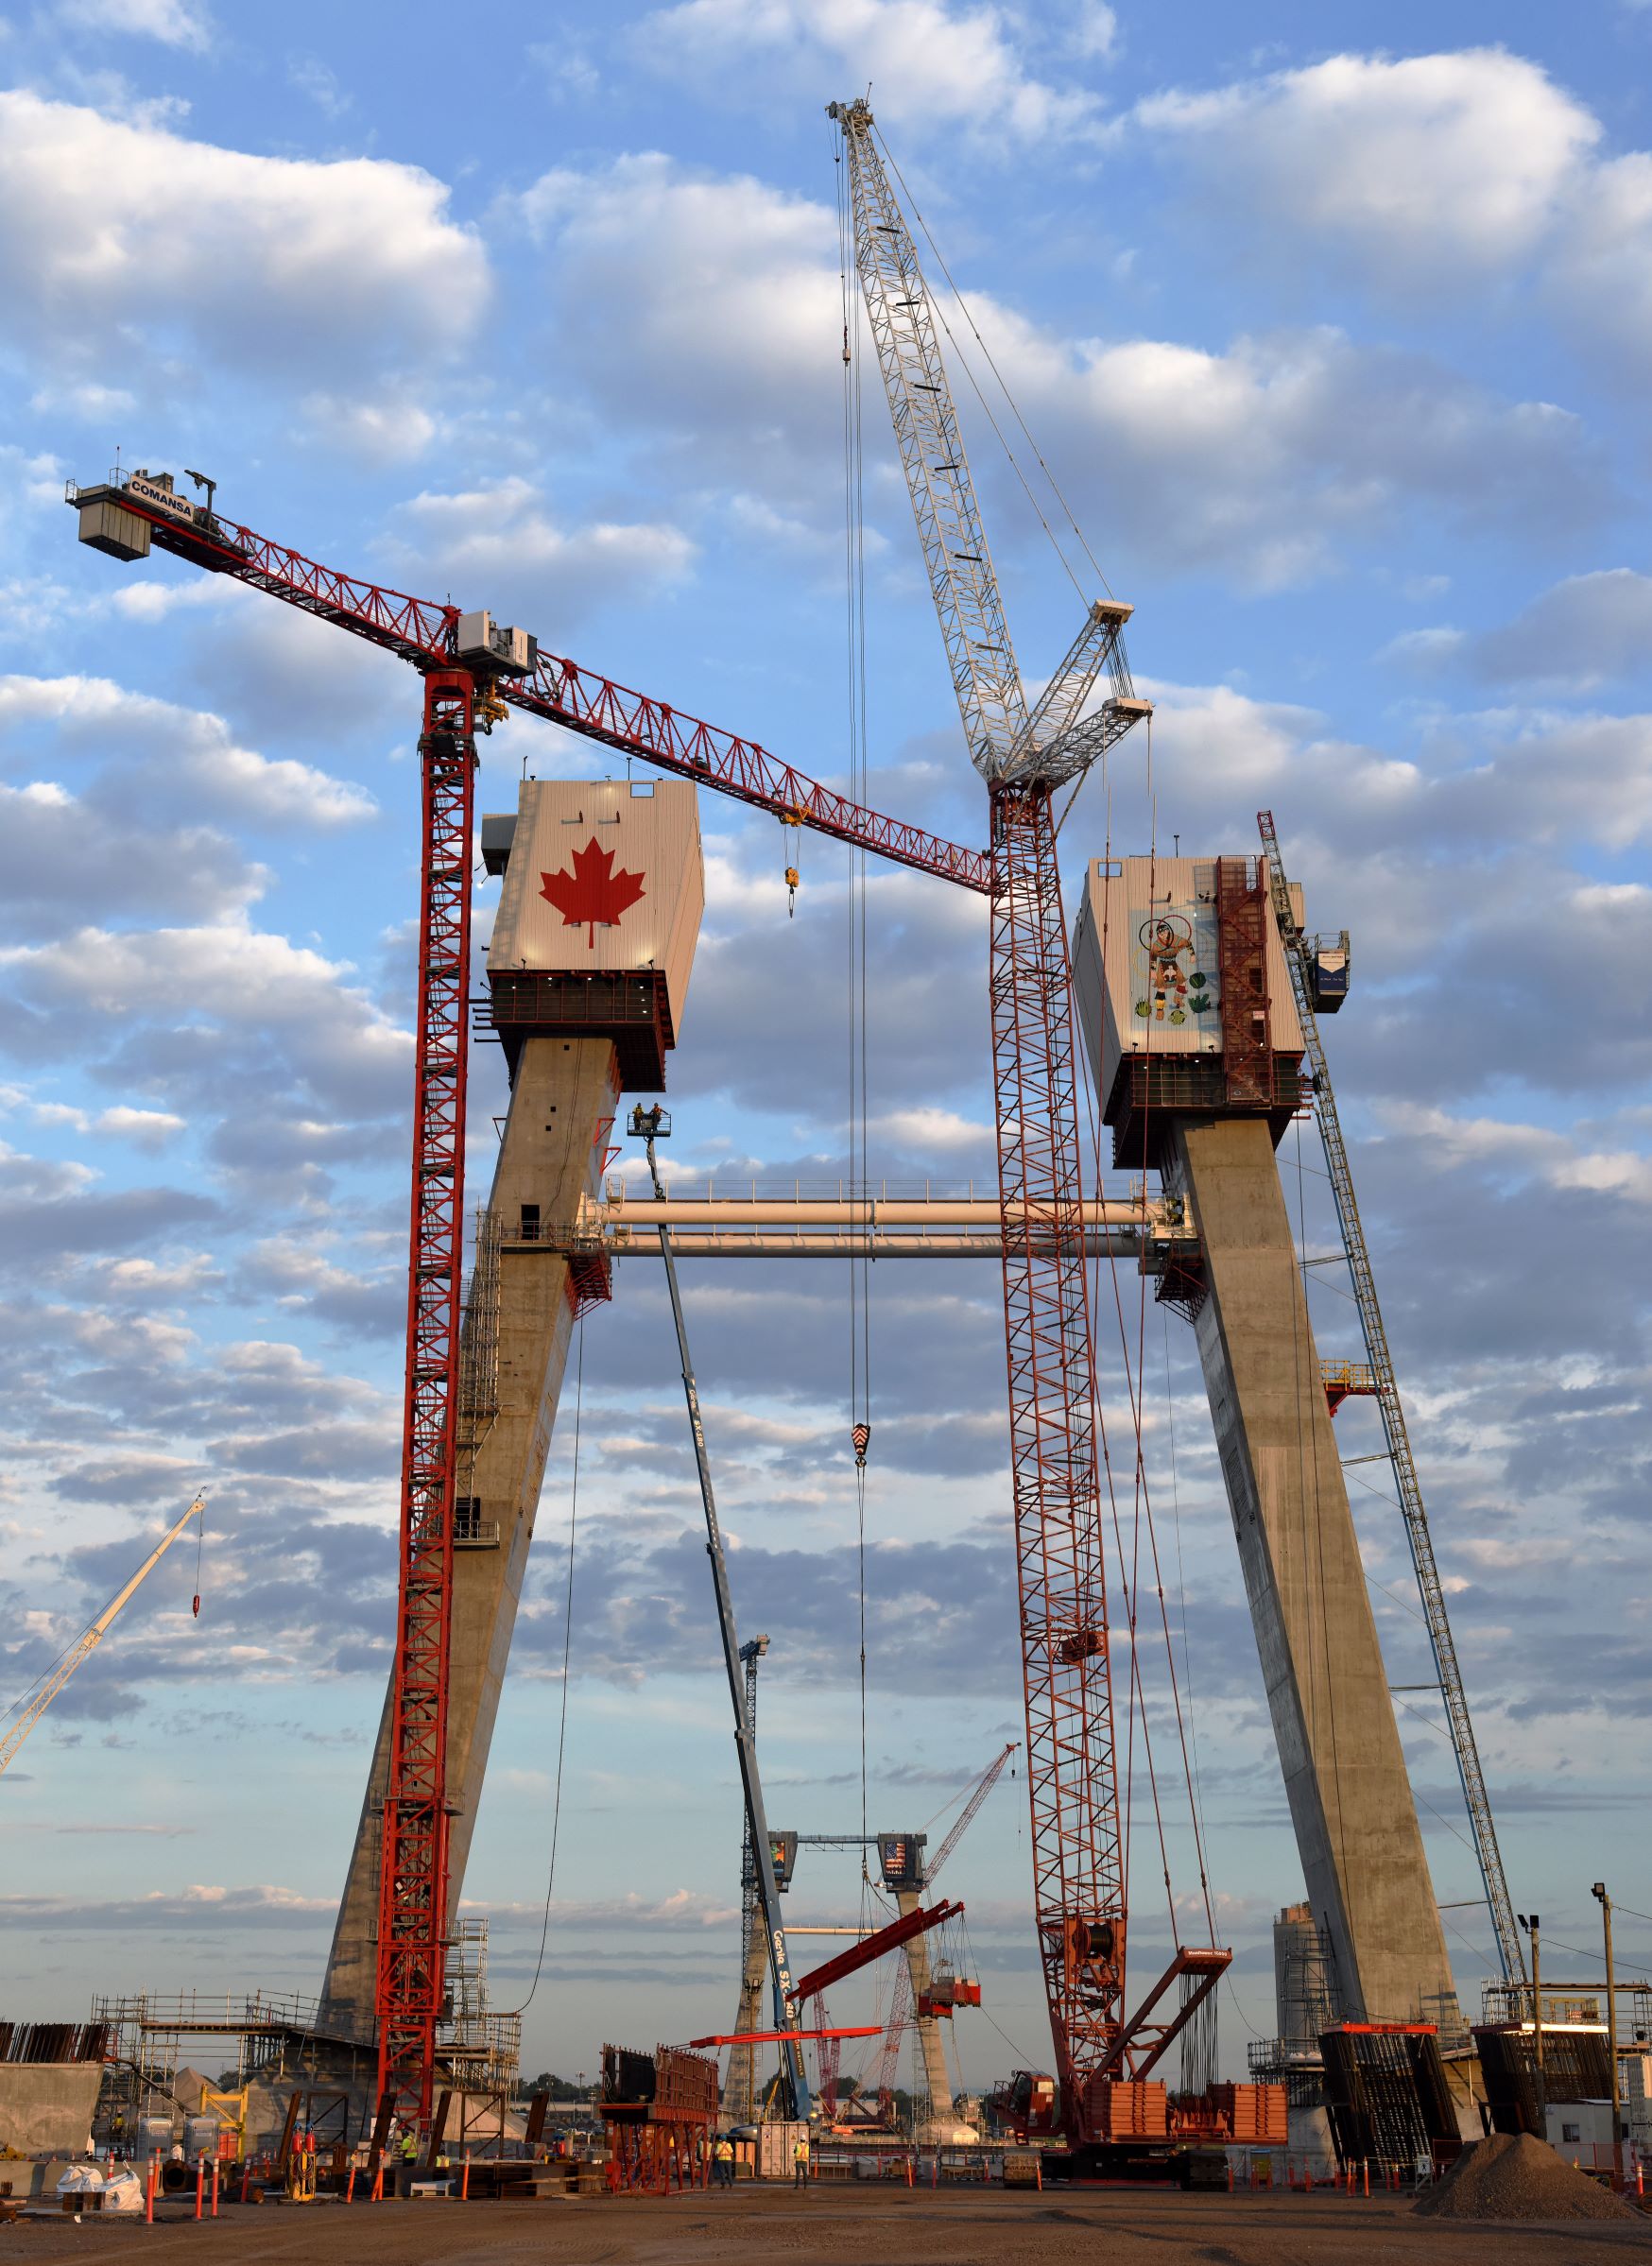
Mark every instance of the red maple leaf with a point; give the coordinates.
(592, 895)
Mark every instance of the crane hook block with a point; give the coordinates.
(861, 1435)
(194, 1606)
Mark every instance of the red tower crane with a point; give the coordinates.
(471, 669)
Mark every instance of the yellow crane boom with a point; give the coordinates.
(88, 1641)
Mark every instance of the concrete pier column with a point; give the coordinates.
(1345, 1774)
(563, 1100)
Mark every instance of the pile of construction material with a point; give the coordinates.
(1514, 2176)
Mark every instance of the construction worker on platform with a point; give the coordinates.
(801, 2160)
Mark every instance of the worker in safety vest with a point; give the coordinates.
(725, 2162)
(800, 2161)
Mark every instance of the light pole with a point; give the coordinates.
(1533, 1927)
(1598, 1892)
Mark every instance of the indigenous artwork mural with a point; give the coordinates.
(1174, 968)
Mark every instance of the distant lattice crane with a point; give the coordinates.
(912, 1978)
(1302, 962)
(88, 1641)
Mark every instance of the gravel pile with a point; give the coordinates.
(1515, 2176)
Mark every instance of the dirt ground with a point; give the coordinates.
(883, 2227)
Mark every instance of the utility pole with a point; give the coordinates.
(1532, 1927)
(1598, 1892)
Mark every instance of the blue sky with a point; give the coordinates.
(1337, 338)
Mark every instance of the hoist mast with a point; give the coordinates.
(1298, 952)
(1024, 753)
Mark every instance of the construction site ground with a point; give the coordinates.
(965, 2228)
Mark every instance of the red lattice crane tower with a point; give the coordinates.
(1026, 753)
(472, 670)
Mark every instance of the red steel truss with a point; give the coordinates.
(421, 631)
(413, 1865)
(1078, 1887)
(872, 1948)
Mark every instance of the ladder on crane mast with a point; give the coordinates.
(1475, 1798)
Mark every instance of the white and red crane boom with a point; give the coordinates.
(1025, 753)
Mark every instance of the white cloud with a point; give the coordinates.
(503, 539)
(1431, 170)
(709, 306)
(1501, 1145)
(147, 1128)
(178, 754)
(96, 405)
(314, 78)
(176, 22)
(1582, 632)
(61, 855)
(1097, 34)
(308, 1043)
(386, 431)
(1433, 161)
(927, 63)
(260, 261)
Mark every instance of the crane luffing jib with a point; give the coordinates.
(966, 1816)
(1079, 1889)
(1476, 1798)
(1009, 744)
(423, 633)
(89, 1639)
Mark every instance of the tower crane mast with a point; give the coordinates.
(1025, 752)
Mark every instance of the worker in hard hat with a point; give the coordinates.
(801, 2160)
(724, 2156)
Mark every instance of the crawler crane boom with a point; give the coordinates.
(1025, 753)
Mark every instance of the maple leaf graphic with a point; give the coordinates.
(592, 895)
